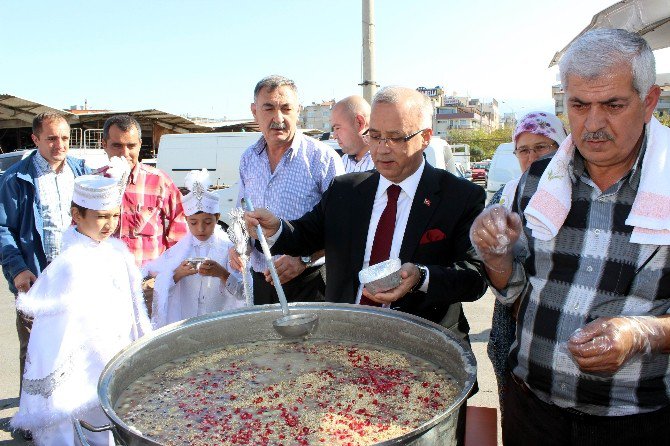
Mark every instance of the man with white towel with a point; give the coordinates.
(585, 250)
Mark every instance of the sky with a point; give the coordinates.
(203, 57)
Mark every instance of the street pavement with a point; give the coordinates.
(9, 366)
(478, 314)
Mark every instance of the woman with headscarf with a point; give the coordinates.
(538, 134)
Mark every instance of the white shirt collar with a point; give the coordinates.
(197, 242)
(409, 185)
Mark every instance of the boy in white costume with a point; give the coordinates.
(87, 305)
(194, 277)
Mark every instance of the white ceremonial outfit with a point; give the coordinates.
(87, 306)
(197, 294)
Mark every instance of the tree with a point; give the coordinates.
(664, 118)
(476, 153)
(487, 143)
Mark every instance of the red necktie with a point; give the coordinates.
(381, 246)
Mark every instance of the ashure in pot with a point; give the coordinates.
(347, 323)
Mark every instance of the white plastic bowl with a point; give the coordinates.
(381, 276)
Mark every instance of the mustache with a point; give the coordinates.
(600, 135)
(277, 126)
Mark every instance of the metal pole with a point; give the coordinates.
(369, 85)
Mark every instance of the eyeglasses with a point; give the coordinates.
(391, 142)
(537, 149)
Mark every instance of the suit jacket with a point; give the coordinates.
(437, 236)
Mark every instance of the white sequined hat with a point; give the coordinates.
(97, 193)
(199, 199)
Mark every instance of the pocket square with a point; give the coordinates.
(432, 235)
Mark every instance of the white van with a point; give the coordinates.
(219, 153)
(439, 154)
(504, 167)
(461, 154)
(95, 158)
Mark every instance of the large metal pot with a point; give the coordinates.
(336, 321)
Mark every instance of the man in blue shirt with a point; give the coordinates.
(286, 172)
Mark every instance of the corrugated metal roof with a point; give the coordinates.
(170, 121)
(19, 112)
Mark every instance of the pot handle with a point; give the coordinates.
(80, 425)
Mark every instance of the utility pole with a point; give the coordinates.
(369, 84)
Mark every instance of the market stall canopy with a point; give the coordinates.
(169, 121)
(648, 18)
(17, 112)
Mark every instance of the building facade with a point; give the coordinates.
(461, 112)
(316, 116)
(465, 114)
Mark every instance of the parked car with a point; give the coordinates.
(8, 159)
(479, 172)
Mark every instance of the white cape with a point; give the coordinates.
(87, 305)
(193, 295)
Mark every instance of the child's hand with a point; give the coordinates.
(184, 269)
(212, 268)
(235, 259)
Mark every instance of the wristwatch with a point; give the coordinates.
(306, 260)
(423, 272)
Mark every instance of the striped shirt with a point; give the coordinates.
(351, 165)
(54, 195)
(152, 217)
(303, 174)
(588, 271)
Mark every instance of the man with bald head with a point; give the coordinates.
(350, 120)
(406, 209)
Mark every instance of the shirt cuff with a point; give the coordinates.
(318, 262)
(273, 238)
(515, 286)
(424, 286)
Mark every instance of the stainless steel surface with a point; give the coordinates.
(296, 325)
(196, 261)
(80, 437)
(354, 323)
(288, 327)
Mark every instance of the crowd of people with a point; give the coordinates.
(575, 250)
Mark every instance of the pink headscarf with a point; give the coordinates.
(541, 123)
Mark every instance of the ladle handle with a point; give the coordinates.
(248, 206)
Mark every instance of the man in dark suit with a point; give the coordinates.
(431, 214)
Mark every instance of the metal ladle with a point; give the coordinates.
(289, 325)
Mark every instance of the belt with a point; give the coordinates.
(524, 388)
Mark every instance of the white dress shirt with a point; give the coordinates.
(408, 189)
